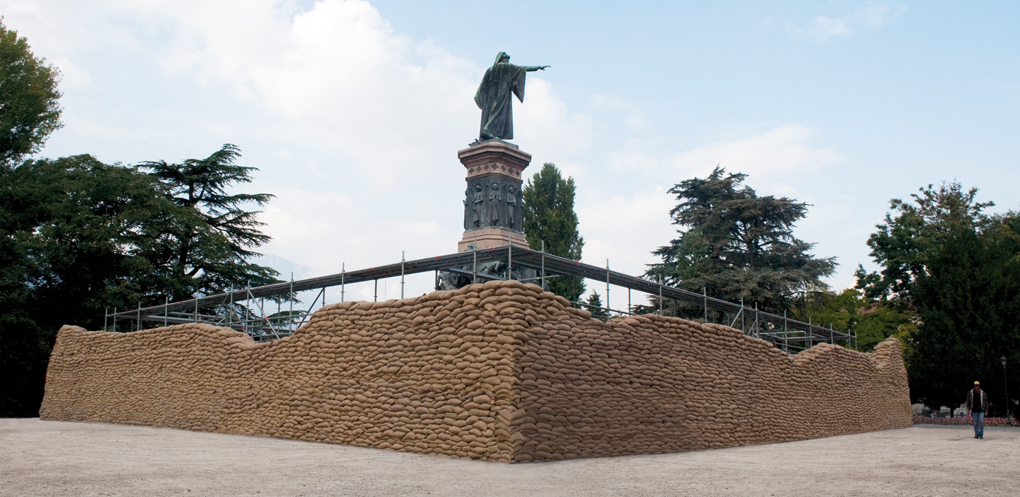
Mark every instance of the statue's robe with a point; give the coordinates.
(494, 95)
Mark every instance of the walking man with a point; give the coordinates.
(977, 403)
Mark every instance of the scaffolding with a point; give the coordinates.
(245, 309)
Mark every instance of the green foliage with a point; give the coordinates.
(956, 272)
(65, 229)
(595, 307)
(850, 312)
(28, 99)
(737, 245)
(967, 302)
(903, 245)
(206, 247)
(549, 216)
(79, 236)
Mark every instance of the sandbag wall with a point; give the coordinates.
(648, 384)
(433, 375)
(500, 372)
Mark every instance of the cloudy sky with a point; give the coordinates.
(354, 111)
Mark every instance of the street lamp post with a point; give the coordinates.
(1006, 387)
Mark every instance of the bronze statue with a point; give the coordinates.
(501, 81)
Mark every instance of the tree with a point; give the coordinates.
(28, 99)
(67, 233)
(549, 217)
(594, 306)
(903, 245)
(207, 247)
(850, 312)
(967, 304)
(737, 245)
(956, 271)
(79, 237)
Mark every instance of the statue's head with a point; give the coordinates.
(502, 57)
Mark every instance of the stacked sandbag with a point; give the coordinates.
(433, 374)
(650, 384)
(500, 371)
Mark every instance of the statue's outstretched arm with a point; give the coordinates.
(536, 68)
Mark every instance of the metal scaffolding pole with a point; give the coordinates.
(509, 257)
(343, 272)
(738, 315)
(543, 264)
(786, 334)
(660, 295)
(704, 293)
(607, 288)
(755, 326)
(809, 339)
(401, 278)
(308, 313)
(247, 313)
(115, 319)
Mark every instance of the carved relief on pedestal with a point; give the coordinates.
(493, 201)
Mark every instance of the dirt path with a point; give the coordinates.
(58, 458)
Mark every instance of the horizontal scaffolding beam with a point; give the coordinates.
(457, 262)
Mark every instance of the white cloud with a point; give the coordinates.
(545, 123)
(86, 126)
(625, 230)
(822, 28)
(71, 76)
(780, 150)
(610, 102)
(633, 160)
(346, 82)
(875, 16)
(325, 229)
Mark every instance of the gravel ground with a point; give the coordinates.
(60, 458)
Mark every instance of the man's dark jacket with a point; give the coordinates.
(970, 401)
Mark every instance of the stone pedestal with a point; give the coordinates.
(493, 203)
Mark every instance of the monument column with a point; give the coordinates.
(493, 204)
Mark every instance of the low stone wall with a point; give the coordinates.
(500, 372)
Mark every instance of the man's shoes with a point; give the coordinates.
(975, 436)
(982, 437)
